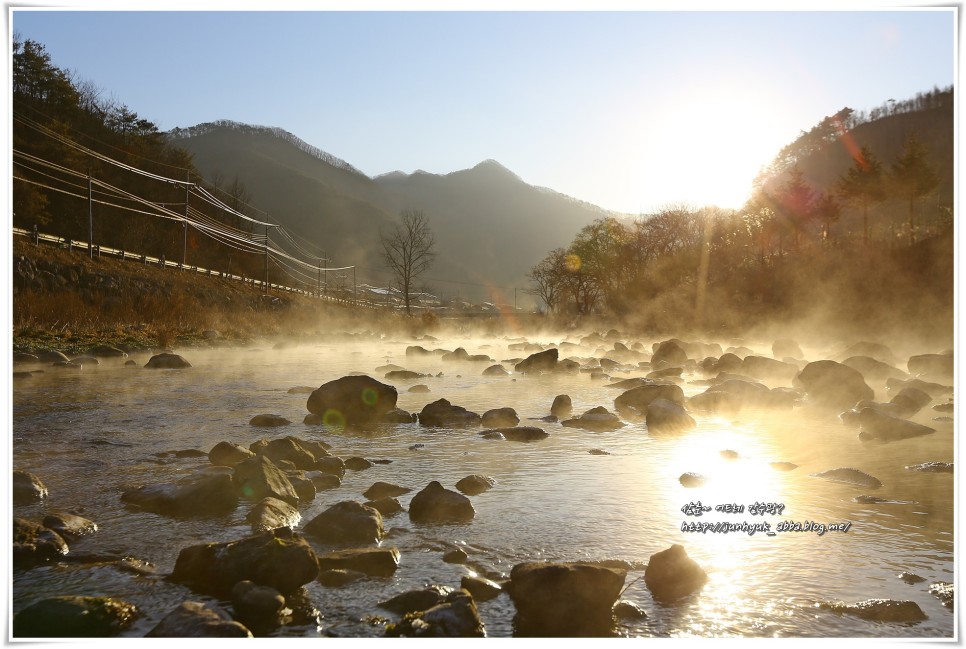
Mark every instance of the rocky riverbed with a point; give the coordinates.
(601, 484)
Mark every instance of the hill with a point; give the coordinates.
(489, 224)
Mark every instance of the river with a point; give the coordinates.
(90, 433)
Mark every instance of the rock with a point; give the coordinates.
(627, 610)
(356, 463)
(228, 454)
(481, 588)
(258, 477)
(254, 603)
(562, 407)
(597, 451)
(384, 490)
(786, 348)
(833, 385)
(768, 369)
(279, 558)
(286, 449)
(639, 398)
(454, 617)
(932, 467)
(167, 361)
(728, 454)
(690, 479)
(665, 416)
(332, 465)
(937, 366)
(27, 488)
(495, 370)
(419, 388)
(198, 620)
(669, 373)
(597, 419)
(375, 562)
(386, 506)
(23, 357)
(403, 375)
(944, 591)
(84, 360)
(564, 599)
(668, 354)
(932, 389)
(398, 416)
(443, 414)
(68, 525)
(35, 544)
(516, 434)
(849, 476)
(783, 466)
(909, 401)
(416, 350)
(52, 357)
(269, 421)
(877, 351)
(877, 425)
(436, 504)
(337, 578)
(500, 417)
(910, 578)
(347, 522)
(472, 485)
(74, 617)
(415, 600)
(198, 494)
(671, 574)
(943, 407)
(457, 556)
(352, 400)
(728, 362)
(272, 513)
(458, 354)
(301, 389)
(874, 370)
(323, 481)
(545, 361)
(879, 610)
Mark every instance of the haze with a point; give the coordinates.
(628, 110)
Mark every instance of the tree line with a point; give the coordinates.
(57, 118)
(706, 264)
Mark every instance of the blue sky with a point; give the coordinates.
(629, 110)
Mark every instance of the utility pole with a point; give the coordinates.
(90, 214)
(318, 286)
(325, 275)
(266, 258)
(355, 295)
(184, 247)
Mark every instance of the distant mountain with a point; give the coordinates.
(491, 227)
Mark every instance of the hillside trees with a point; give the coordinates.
(912, 178)
(408, 250)
(863, 186)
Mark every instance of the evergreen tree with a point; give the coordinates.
(863, 186)
(913, 178)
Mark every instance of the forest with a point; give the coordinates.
(872, 246)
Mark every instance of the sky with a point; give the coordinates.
(632, 111)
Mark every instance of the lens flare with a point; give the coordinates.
(572, 263)
(334, 418)
(369, 397)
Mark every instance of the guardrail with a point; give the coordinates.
(98, 250)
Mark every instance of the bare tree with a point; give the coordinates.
(408, 250)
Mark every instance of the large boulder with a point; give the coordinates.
(27, 488)
(69, 525)
(597, 419)
(909, 401)
(258, 478)
(938, 366)
(562, 406)
(564, 599)
(228, 454)
(198, 494)
(376, 562)
(167, 361)
(437, 504)
(877, 425)
(442, 414)
(352, 400)
(637, 399)
(879, 610)
(272, 513)
(668, 354)
(874, 370)
(545, 361)
(833, 385)
(198, 620)
(34, 543)
(384, 490)
(277, 558)
(473, 485)
(517, 433)
(850, 476)
(671, 574)
(768, 369)
(665, 416)
(877, 351)
(70, 616)
(287, 449)
(455, 617)
(347, 522)
(500, 417)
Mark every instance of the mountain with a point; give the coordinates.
(490, 226)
